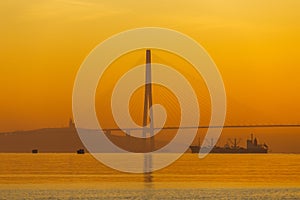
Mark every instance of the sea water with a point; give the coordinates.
(217, 176)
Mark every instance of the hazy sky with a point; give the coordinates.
(254, 43)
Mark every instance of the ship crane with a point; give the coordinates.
(234, 143)
(209, 143)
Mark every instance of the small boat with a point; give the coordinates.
(34, 151)
(80, 151)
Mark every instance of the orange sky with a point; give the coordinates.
(254, 43)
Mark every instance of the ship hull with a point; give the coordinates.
(196, 149)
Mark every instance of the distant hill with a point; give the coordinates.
(45, 140)
(61, 140)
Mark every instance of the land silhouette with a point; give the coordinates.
(66, 140)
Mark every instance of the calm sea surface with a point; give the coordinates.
(72, 176)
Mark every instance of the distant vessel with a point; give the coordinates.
(34, 151)
(80, 151)
(252, 147)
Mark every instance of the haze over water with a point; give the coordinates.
(216, 176)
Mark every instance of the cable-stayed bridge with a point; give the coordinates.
(148, 130)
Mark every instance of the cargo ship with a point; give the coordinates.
(252, 147)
